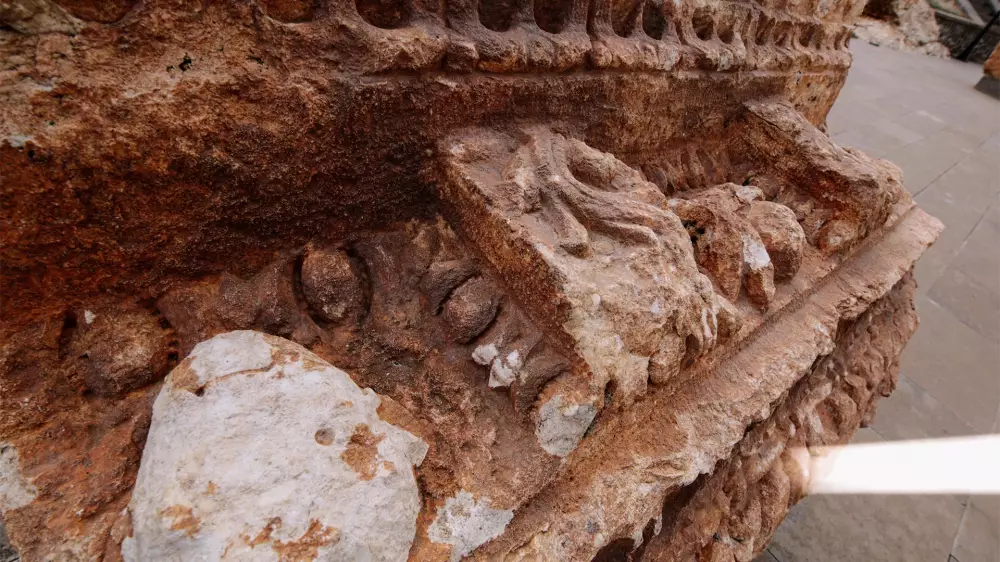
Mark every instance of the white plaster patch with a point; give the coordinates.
(465, 523)
(485, 353)
(705, 327)
(15, 490)
(294, 439)
(521, 177)
(18, 141)
(504, 369)
(755, 254)
(747, 194)
(562, 424)
(656, 308)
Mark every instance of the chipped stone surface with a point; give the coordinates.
(122, 349)
(15, 490)
(259, 449)
(562, 423)
(905, 25)
(465, 522)
(331, 286)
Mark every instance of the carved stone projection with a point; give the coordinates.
(546, 280)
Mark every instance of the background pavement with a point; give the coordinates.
(922, 114)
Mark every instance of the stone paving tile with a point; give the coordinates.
(959, 221)
(974, 305)
(923, 122)
(854, 528)
(979, 258)
(968, 185)
(989, 506)
(862, 528)
(910, 412)
(978, 539)
(955, 364)
(869, 140)
(969, 286)
(929, 158)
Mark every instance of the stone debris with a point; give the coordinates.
(258, 448)
(904, 25)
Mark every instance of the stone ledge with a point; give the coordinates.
(617, 480)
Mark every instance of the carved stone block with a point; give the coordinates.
(597, 257)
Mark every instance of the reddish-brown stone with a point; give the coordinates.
(599, 256)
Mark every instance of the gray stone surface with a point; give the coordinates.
(924, 115)
(977, 537)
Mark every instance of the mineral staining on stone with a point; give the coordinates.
(258, 448)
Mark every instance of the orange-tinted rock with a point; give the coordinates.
(331, 286)
(992, 66)
(289, 10)
(121, 349)
(781, 234)
(104, 11)
(569, 243)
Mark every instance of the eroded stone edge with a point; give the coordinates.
(606, 466)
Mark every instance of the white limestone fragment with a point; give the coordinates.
(562, 424)
(485, 353)
(465, 523)
(259, 449)
(504, 369)
(15, 490)
(754, 253)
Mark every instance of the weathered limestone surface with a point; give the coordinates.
(596, 265)
(258, 448)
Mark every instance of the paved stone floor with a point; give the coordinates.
(922, 114)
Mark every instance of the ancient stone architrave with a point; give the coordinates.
(555, 280)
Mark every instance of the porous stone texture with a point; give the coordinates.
(599, 257)
(259, 449)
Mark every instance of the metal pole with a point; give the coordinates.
(964, 56)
